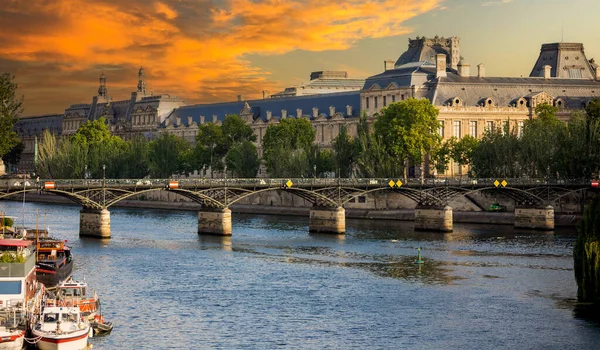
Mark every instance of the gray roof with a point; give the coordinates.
(275, 105)
(505, 91)
(415, 73)
(35, 125)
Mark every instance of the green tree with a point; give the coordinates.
(346, 152)
(167, 155)
(541, 142)
(441, 157)
(10, 108)
(497, 154)
(409, 129)
(14, 155)
(463, 149)
(286, 147)
(235, 130)
(374, 158)
(243, 160)
(209, 149)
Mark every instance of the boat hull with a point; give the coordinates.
(51, 276)
(75, 342)
(12, 341)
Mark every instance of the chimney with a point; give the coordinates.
(214, 119)
(298, 113)
(464, 69)
(283, 114)
(348, 110)
(269, 115)
(315, 112)
(177, 121)
(388, 64)
(547, 72)
(481, 70)
(440, 65)
(201, 119)
(597, 73)
(240, 98)
(331, 111)
(190, 121)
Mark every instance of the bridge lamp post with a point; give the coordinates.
(315, 171)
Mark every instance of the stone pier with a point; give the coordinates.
(535, 218)
(215, 222)
(327, 220)
(433, 219)
(94, 223)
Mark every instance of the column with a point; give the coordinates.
(428, 218)
(215, 222)
(94, 223)
(327, 220)
(535, 218)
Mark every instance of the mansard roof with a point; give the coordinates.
(275, 105)
(504, 91)
(414, 73)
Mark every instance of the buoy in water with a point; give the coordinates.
(419, 260)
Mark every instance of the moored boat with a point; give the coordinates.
(54, 261)
(61, 328)
(73, 293)
(20, 294)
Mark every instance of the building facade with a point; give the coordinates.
(468, 100)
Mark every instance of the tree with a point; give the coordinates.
(209, 149)
(497, 154)
(441, 157)
(462, 149)
(374, 158)
(540, 142)
(286, 147)
(235, 131)
(167, 155)
(243, 160)
(10, 108)
(346, 152)
(408, 129)
(14, 155)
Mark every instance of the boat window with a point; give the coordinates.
(83, 291)
(68, 292)
(69, 318)
(10, 287)
(77, 292)
(53, 317)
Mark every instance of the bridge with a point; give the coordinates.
(534, 198)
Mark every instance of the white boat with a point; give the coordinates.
(20, 294)
(61, 328)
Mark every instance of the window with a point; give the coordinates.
(457, 169)
(375, 102)
(10, 287)
(520, 126)
(456, 126)
(505, 127)
(489, 126)
(402, 97)
(473, 128)
(384, 101)
(441, 128)
(362, 199)
(393, 98)
(367, 102)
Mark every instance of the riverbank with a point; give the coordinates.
(472, 217)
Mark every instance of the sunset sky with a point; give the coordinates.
(212, 51)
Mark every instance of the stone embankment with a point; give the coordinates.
(586, 255)
(475, 217)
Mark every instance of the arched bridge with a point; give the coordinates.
(328, 195)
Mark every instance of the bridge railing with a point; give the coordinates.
(191, 183)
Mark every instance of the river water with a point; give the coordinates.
(273, 285)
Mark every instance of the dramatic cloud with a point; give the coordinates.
(191, 48)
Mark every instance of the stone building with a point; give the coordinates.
(468, 100)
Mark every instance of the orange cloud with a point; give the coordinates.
(191, 48)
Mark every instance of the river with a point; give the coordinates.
(273, 285)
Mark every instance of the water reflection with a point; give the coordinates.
(214, 241)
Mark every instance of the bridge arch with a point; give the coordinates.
(314, 197)
(413, 194)
(518, 195)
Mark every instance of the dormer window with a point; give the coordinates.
(456, 102)
(560, 103)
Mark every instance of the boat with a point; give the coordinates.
(61, 328)
(20, 294)
(54, 261)
(73, 293)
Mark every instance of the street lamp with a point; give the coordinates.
(225, 172)
(203, 171)
(85, 172)
(315, 171)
